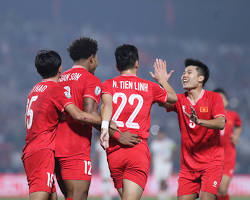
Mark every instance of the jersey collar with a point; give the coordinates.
(200, 97)
(79, 66)
(128, 75)
(48, 79)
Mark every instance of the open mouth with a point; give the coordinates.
(185, 81)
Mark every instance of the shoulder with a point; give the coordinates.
(92, 77)
(212, 94)
(232, 113)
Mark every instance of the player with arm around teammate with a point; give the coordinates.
(73, 139)
(201, 117)
(45, 103)
(127, 99)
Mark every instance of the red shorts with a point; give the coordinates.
(229, 163)
(192, 182)
(73, 168)
(39, 168)
(130, 163)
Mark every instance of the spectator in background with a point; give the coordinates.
(104, 171)
(162, 149)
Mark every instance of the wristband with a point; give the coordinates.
(116, 135)
(105, 124)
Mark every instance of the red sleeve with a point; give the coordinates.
(218, 106)
(93, 89)
(237, 120)
(159, 93)
(61, 97)
(107, 88)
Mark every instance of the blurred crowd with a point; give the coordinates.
(20, 40)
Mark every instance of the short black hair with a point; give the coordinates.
(126, 55)
(83, 48)
(220, 90)
(201, 68)
(47, 63)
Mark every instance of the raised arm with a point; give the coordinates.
(162, 76)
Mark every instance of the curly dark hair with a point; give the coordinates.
(126, 55)
(201, 68)
(47, 63)
(84, 47)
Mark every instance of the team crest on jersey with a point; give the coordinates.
(203, 109)
(97, 90)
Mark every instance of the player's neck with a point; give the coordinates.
(129, 72)
(82, 63)
(195, 93)
(55, 79)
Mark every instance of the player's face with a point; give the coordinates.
(94, 64)
(224, 99)
(191, 78)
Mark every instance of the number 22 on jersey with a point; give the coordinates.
(124, 100)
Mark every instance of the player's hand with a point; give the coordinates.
(235, 139)
(193, 117)
(129, 139)
(160, 71)
(104, 138)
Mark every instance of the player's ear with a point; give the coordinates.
(60, 69)
(201, 78)
(91, 59)
(136, 64)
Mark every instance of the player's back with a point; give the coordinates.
(42, 116)
(74, 137)
(132, 101)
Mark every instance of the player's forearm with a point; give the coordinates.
(91, 118)
(81, 116)
(217, 123)
(237, 131)
(172, 97)
(106, 112)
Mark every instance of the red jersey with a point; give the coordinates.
(44, 103)
(233, 120)
(73, 137)
(200, 146)
(132, 101)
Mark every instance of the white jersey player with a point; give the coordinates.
(162, 149)
(104, 172)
